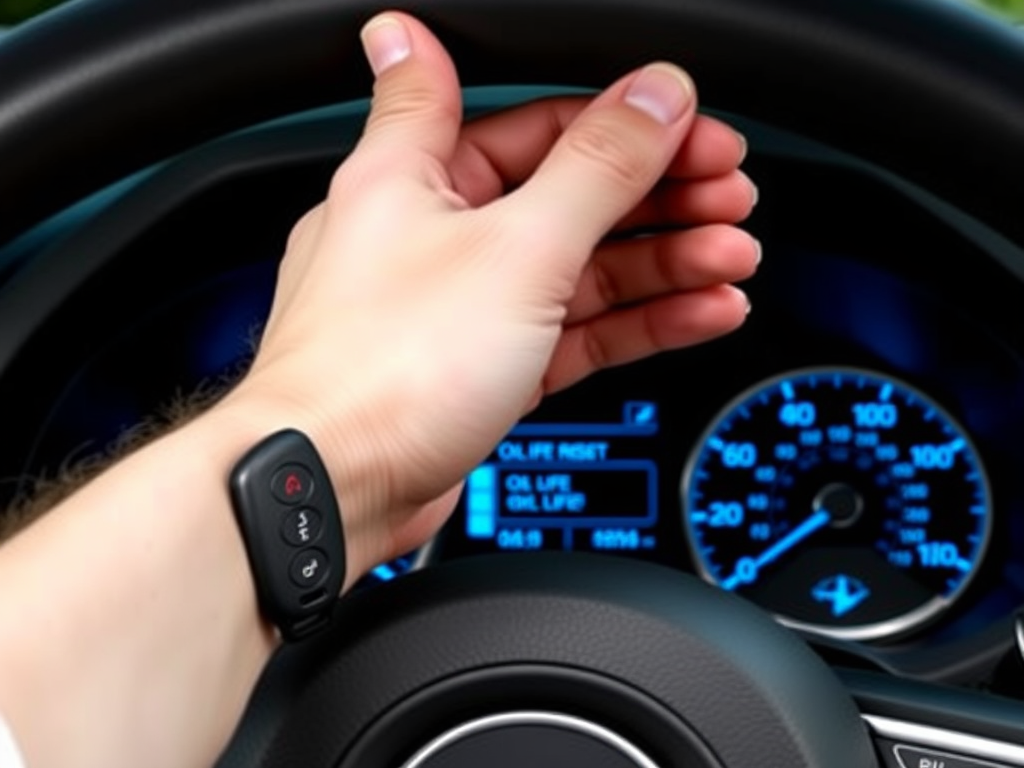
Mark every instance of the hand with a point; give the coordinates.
(457, 274)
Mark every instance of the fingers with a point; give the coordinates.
(675, 321)
(499, 152)
(627, 271)
(606, 161)
(416, 112)
(726, 199)
(711, 148)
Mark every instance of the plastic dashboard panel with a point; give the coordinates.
(839, 286)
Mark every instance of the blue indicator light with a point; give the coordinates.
(384, 572)
(843, 593)
(716, 443)
(885, 392)
(787, 390)
(699, 517)
(963, 565)
(482, 502)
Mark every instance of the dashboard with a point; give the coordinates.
(849, 459)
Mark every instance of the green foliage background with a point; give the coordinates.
(13, 11)
(1012, 8)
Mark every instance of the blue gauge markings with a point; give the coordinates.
(747, 567)
(844, 500)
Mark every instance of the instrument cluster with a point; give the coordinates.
(849, 459)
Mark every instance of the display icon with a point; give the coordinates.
(843, 593)
(640, 413)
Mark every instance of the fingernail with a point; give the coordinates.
(662, 91)
(386, 43)
(758, 251)
(755, 193)
(744, 147)
(742, 295)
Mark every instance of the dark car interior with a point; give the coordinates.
(848, 464)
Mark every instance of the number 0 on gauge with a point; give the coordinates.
(844, 501)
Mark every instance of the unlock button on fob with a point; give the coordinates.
(309, 568)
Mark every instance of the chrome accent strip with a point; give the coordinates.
(914, 734)
(1018, 634)
(553, 719)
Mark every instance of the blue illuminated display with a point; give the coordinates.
(843, 500)
(547, 481)
(482, 502)
(563, 494)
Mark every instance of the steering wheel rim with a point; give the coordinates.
(692, 676)
(151, 79)
(935, 73)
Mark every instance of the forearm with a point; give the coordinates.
(44, 492)
(133, 637)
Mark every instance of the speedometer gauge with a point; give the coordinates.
(844, 501)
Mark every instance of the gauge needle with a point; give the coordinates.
(747, 567)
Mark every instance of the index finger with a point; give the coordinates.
(500, 151)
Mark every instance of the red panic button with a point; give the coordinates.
(292, 484)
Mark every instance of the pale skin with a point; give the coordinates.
(454, 276)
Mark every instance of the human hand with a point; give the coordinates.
(456, 274)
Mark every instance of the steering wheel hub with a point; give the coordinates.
(539, 739)
(606, 659)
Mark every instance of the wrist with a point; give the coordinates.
(360, 475)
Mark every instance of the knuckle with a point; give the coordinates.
(416, 100)
(613, 151)
(304, 228)
(608, 290)
(596, 349)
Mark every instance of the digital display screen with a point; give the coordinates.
(568, 486)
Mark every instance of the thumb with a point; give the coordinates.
(608, 159)
(416, 111)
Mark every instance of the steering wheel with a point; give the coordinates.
(550, 660)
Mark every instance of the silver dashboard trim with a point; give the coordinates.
(528, 717)
(914, 734)
(1018, 634)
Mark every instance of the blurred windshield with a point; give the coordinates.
(13, 11)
